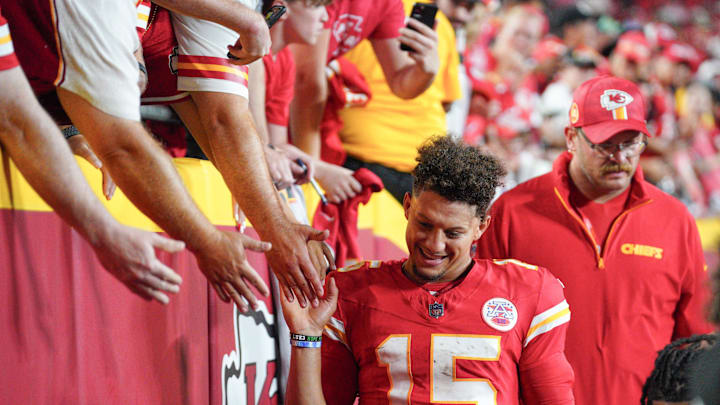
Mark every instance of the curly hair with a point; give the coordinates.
(458, 172)
(670, 379)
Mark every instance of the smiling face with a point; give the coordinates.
(439, 235)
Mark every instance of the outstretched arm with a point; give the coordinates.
(222, 123)
(308, 105)
(41, 154)
(305, 378)
(146, 175)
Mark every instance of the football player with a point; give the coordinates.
(439, 326)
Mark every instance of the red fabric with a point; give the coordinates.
(598, 217)
(141, 26)
(279, 85)
(382, 318)
(172, 136)
(351, 21)
(8, 61)
(73, 334)
(346, 88)
(158, 44)
(606, 105)
(645, 290)
(341, 219)
(33, 34)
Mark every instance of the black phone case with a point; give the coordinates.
(271, 17)
(425, 13)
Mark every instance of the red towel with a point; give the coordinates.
(346, 88)
(341, 219)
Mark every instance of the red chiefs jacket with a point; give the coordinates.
(643, 288)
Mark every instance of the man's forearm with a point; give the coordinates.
(304, 385)
(410, 82)
(39, 151)
(240, 158)
(143, 171)
(308, 105)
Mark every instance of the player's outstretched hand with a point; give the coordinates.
(80, 147)
(129, 255)
(423, 40)
(292, 258)
(311, 321)
(227, 269)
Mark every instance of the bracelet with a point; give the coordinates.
(302, 343)
(142, 68)
(70, 131)
(305, 338)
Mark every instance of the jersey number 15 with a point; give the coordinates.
(445, 386)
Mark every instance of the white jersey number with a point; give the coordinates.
(445, 386)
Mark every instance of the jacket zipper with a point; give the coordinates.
(598, 257)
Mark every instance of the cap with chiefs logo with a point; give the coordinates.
(606, 105)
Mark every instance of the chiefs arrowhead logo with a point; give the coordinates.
(612, 99)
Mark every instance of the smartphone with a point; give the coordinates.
(425, 13)
(273, 14)
(271, 17)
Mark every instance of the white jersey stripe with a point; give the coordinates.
(335, 330)
(6, 46)
(550, 324)
(539, 318)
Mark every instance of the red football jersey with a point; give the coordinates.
(352, 21)
(493, 338)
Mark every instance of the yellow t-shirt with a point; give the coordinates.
(388, 129)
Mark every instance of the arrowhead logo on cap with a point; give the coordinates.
(616, 101)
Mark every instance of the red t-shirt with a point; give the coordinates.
(494, 338)
(352, 21)
(598, 217)
(279, 84)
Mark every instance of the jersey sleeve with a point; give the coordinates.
(391, 20)
(690, 311)
(546, 377)
(8, 60)
(339, 369)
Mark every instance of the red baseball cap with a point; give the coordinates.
(604, 106)
(634, 46)
(680, 52)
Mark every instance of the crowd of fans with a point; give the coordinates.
(525, 60)
(520, 62)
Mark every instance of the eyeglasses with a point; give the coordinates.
(609, 150)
